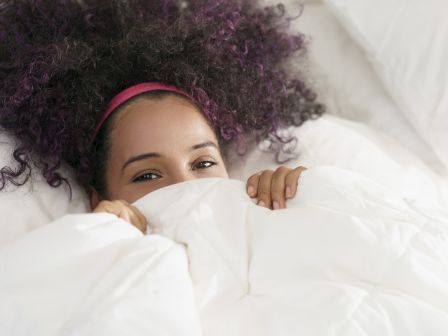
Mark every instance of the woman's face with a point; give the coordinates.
(159, 142)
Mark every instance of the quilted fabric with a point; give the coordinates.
(347, 257)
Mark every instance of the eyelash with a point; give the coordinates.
(141, 178)
(145, 176)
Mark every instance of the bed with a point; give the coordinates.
(360, 251)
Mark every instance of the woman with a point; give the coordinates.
(155, 140)
(221, 81)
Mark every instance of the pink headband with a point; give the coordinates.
(131, 92)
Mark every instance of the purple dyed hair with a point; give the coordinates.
(62, 60)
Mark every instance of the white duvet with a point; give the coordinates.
(346, 258)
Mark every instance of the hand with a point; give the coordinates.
(125, 211)
(272, 188)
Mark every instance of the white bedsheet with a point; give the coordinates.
(346, 258)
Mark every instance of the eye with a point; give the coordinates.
(146, 177)
(203, 165)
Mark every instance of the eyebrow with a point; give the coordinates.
(203, 144)
(150, 155)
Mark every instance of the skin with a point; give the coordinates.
(157, 142)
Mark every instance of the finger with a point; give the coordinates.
(278, 187)
(108, 207)
(252, 184)
(141, 218)
(100, 207)
(292, 181)
(264, 189)
(136, 221)
(120, 209)
(124, 213)
(133, 214)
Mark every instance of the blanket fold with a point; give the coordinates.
(346, 257)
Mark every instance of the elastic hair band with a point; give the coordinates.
(131, 92)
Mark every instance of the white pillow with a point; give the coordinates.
(348, 85)
(35, 204)
(407, 43)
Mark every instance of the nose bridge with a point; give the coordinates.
(181, 174)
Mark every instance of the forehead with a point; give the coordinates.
(158, 124)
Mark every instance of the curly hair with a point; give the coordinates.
(61, 61)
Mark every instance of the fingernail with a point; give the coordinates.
(250, 190)
(288, 192)
(261, 203)
(276, 205)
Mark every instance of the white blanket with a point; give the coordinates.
(346, 258)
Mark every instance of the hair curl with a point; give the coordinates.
(62, 60)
